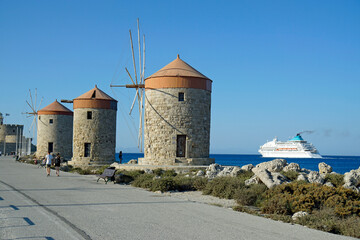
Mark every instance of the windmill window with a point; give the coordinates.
(93, 95)
(89, 115)
(39, 118)
(181, 96)
(51, 121)
(87, 148)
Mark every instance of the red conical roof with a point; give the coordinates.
(55, 108)
(178, 68)
(95, 98)
(178, 74)
(95, 93)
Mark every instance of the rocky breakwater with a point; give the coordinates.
(273, 173)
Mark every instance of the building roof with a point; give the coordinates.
(55, 108)
(178, 68)
(96, 94)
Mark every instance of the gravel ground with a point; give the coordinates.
(197, 196)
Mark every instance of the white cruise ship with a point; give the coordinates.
(296, 147)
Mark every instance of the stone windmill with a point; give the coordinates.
(94, 132)
(55, 129)
(177, 116)
(177, 102)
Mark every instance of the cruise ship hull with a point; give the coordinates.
(283, 154)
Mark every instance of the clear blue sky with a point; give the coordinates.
(278, 67)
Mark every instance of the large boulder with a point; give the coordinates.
(315, 177)
(311, 177)
(148, 171)
(275, 165)
(329, 184)
(236, 171)
(132, 161)
(212, 170)
(200, 173)
(115, 165)
(298, 215)
(302, 177)
(253, 180)
(270, 179)
(324, 168)
(228, 171)
(247, 167)
(352, 180)
(292, 167)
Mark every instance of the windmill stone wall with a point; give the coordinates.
(100, 132)
(166, 117)
(59, 132)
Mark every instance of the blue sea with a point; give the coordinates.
(340, 164)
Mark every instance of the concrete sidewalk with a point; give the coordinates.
(77, 207)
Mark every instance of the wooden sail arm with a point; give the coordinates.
(66, 101)
(130, 85)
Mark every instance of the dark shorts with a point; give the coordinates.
(48, 165)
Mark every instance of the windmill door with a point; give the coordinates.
(180, 145)
(50, 147)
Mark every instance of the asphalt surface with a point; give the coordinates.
(33, 206)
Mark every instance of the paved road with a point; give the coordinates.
(33, 206)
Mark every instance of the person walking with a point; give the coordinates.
(57, 164)
(49, 159)
(120, 157)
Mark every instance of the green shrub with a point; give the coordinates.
(163, 184)
(250, 195)
(158, 171)
(291, 175)
(245, 175)
(327, 220)
(199, 183)
(169, 173)
(100, 170)
(245, 209)
(350, 226)
(143, 181)
(183, 183)
(324, 220)
(223, 187)
(80, 171)
(66, 168)
(123, 178)
(295, 196)
(279, 217)
(278, 205)
(135, 173)
(126, 177)
(336, 179)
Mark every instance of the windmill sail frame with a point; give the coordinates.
(138, 85)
